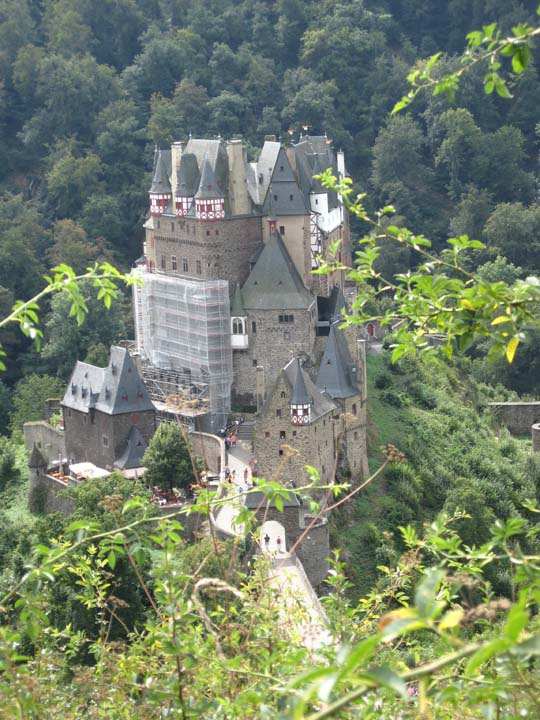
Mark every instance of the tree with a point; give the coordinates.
(174, 118)
(514, 230)
(71, 246)
(68, 341)
(29, 399)
(8, 463)
(167, 459)
(72, 180)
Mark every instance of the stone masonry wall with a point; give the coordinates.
(49, 440)
(223, 248)
(271, 346)
(84, 438)
(210, 448)
(309, 444)
(518, 417)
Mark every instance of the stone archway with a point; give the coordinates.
(273, 530)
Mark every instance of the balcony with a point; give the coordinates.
(239, 342)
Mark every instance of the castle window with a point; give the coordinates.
(283, 393)
(282, 229)
(105, 441)
(291, 197)
(353, 409)
(254, 327)
(267, 434)
(199, 267)
(84, 419)
(294, 433)
(173, 262)
(280, 452)
(238, 326)
(356, 435)
(316, 201)
(208, 232)
(275, 197)
(184, 265)
(163, 262)
(282, 435)
(254, 362)
(172, 226)
(286, 318)
(281, 168)
(278, 412)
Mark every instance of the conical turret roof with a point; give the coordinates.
(237, 307)
(36, 458)
(336, 375)
(300, 395)
(160, 181)
(208, 188)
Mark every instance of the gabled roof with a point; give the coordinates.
(299, 395)
(214, 151)
(134, 450)
(274, 283)
(36, 459)
(337, 372)
(313, 156)
(237, 306)
(208, 188)
(188, 177)
(112, 390)
(261, 171)
(283, 189)
(160, 181)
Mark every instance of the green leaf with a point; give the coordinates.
(384, 677)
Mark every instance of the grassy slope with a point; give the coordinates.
(14, 500)
(434, 415)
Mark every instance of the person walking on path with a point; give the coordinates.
(278, 543)
(267, 541)
(245, 474)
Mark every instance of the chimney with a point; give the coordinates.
(238, 192)
(361, 369)
(260, 387)
(340, 158)
(177, 148)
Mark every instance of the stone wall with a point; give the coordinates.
(282, 450)
(49, 440)
(210, 448)
(518, 417)
(85, 434)
(271, 346)
(213, 250)
(46, 494)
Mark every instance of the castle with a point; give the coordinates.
(230, 310)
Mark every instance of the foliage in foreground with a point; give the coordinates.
(433, 640)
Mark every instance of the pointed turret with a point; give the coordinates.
(37, 461)
(160, 190)
(337, 373)
(187, 183)
(209, 199)
(272, 221)
(301, 400)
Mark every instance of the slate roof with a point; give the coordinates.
(313, 155)
(274, 283)
(208, 188)
(237, 306)
(214, 151)
(134, 450)
(36, 459)
(113, 390)
(260, 173)
(160, 181)
(322, 402)
(300, 395)
(188, 176)
(283, 190)
(337, 372)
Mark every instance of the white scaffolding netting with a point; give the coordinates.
(183, 326)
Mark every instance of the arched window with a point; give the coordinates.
(353, 409)
(238, 326)
(283, 393)
(253, 327)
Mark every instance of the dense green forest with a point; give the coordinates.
(87, 89)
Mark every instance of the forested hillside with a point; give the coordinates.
(89, 86)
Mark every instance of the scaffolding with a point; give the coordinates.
(184, 341)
